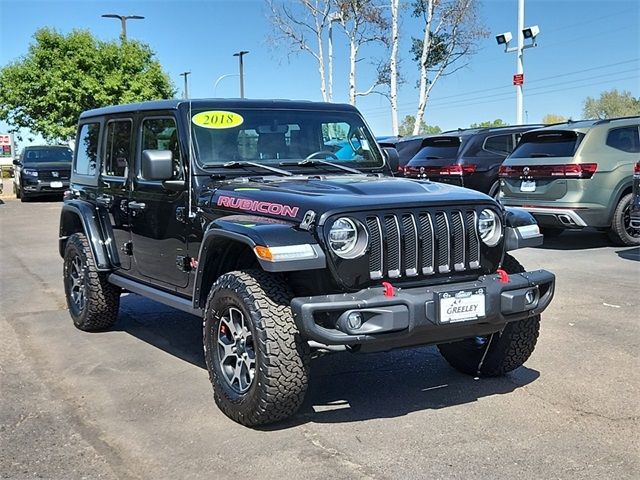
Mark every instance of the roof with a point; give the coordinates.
(46, 147)
(584, 125)
(474, 131)
(198, 103)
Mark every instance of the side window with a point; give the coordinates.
(625, 139)
(162, 134)
(499, 144)
(87, 149)
(118, 148)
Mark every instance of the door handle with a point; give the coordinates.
(104, 200)
(136, 206)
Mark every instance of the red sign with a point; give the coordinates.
(518, 79)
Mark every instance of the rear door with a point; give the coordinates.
(158, 216)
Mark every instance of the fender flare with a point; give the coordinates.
(87, 216)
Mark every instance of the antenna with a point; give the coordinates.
(192, 214)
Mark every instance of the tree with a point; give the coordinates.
(407, 127)
(62, 75)
(551, 118)
(393, 66)
(498, 122)
(294, 22)
(611, 104)
(451, 32)
(363, 23)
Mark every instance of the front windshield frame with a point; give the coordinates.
(312, 119)
(41, 157)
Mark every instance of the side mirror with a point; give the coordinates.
(17, 162)
(392, 158)
(157, 164)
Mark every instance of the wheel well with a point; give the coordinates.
(70, 223)
(223, 256)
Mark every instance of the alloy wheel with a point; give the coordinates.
(77, 288)
(236, 350)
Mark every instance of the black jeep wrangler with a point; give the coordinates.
(280, 223)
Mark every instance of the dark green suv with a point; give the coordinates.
(576, 175)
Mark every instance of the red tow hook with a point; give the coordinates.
(504, 276)
(388, 289)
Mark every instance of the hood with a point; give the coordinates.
(48, 165)
(291, 197)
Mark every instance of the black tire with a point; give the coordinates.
(494, 191)
(17, 191)
(99, 310)
(498, 353)
(277, 387)
(621, 232)
(551, 232)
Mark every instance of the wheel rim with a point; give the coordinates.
(77, 289)
(626, 221)
(236, 350)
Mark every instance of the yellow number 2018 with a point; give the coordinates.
(217, 119)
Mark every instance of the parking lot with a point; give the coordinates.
(135, 402)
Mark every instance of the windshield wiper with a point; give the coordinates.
(314, 162)
(237, 164)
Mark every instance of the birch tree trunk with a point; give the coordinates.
(353, 55)
(393, 67)
(424, 73)
(321, 71)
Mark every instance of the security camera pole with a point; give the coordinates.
(241, 54)
(123, 21)
(186, 84)
(518, 78)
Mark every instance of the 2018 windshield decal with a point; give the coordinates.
(257, 206)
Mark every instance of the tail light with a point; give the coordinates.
(636, 169)
(569, 170)
(429, 171)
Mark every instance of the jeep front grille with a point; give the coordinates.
(423, 243)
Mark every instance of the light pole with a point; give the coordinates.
(219, 79)
(504, 39)
(123, 20)
(241, 54)
(186, 84)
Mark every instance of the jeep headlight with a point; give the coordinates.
(489, 227)
(30, 172)
(348, 238)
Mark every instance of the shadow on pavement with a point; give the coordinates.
(576, 240)
(343, 387)
(630, 254)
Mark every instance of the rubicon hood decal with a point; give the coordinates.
(257, 206)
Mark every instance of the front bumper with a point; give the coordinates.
(411, 316)
(43, 187)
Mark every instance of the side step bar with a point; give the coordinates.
(160, 296)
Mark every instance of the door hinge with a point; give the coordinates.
(127, 248)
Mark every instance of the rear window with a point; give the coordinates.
(47, 155)
(547, 144)
(439, 147)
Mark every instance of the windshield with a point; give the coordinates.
(440, 147)
(38, 155)
(547, 144)
(272, 137)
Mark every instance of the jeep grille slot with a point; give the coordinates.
(424, 243)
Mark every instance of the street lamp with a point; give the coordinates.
(186, 84)
(529, 33)
(123, 20)
(241, 54)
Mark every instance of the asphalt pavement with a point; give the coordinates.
(135, 402)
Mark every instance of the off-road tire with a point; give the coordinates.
(618, 233)
(499, 353)
(282, 356)
(102, 302)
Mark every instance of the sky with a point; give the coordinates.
(584, 47)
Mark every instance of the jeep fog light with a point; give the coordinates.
(489, 227)
(348, 238)
(286, 253)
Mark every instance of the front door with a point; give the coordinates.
(158, 216)
(113, 188)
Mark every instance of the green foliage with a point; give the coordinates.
(498, 122)
(437, 53)
(610, 104)
(406, 127)
(551, 118)
(62, 75)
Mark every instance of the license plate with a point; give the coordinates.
(56, 184)
(528, 186)
(462, 306)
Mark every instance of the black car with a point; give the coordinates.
(282, 247)
(42, 170)
(635, 202)
(407, 147)
(468, 158)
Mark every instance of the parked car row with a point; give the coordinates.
(568, 176)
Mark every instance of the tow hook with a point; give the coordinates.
(504, 276)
